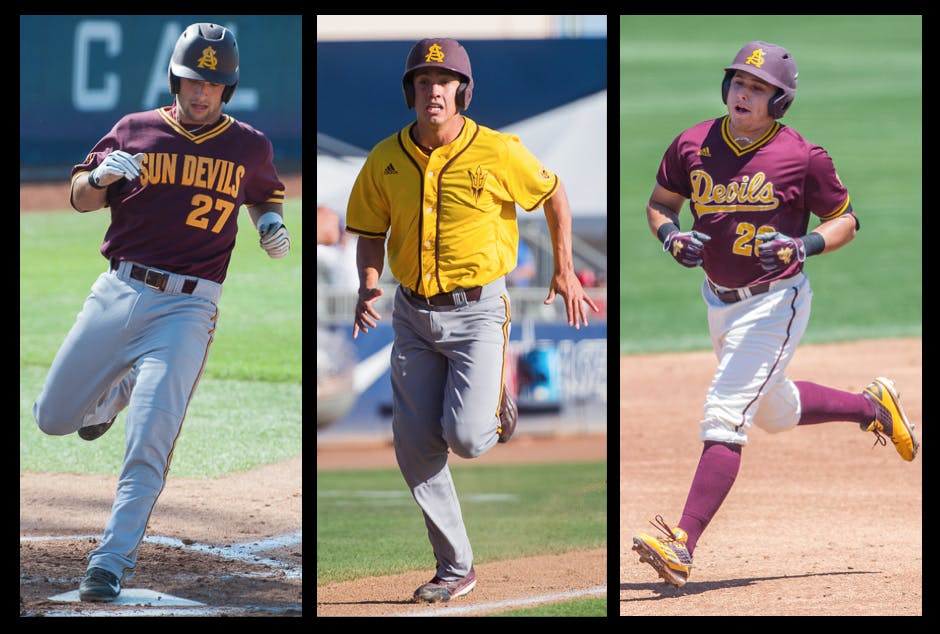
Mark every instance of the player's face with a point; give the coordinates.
(199, 101)
(436, 95)
(748, 97)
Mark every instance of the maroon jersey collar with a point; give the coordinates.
(740, 150)
(199, 135)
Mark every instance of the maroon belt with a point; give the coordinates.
(736, 295)
(156, 279)
(456, 297)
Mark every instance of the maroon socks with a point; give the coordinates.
(716, 472)
(719, 463)
(820, 404)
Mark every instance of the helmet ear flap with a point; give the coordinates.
(408, 89)
(778, 104)
(726, 86)
(228, 91)
(463, 96)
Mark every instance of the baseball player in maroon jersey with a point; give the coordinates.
(174, 179)
(752, 184)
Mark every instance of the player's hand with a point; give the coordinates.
(569, 287)
(686, 247)
(117, 165)
(777, 250)
(366, 315)
(275, 239)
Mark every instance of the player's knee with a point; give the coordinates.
(465, 444)
(50, 423)
(779, 410)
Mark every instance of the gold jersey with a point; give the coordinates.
(450, 217)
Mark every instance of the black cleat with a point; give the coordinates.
(90, 432)
(99, 585)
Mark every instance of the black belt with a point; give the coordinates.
(156, 279)
(736, 295)
(449, 299)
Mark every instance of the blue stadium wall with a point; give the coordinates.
(80, 74)
(359, 93)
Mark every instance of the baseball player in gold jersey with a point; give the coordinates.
(443, 192)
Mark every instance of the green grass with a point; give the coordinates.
(581, 607)
(369, 525)
(247, 410)
(859, 96)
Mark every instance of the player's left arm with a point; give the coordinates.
(777, 249)
(564, 280)
(838, 232)
(268, 219)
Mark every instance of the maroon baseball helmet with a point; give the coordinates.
(205, 52)
(439, 52)
(770, 63)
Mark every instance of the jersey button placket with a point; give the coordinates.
(428, 263)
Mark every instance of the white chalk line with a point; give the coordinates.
(363, 498)
(281, 611)
(244, 552)
(448, 610)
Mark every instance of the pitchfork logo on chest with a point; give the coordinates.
(477, 182)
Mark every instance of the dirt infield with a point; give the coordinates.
(819, 522)
(244, 509)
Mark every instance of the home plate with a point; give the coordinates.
(132, 596)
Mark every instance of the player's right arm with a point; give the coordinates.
(84, 197)
(370, 257)
(662, 214)
(663, 207)
(90, 189)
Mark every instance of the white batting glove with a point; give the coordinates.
(117, 165)
(274, 237)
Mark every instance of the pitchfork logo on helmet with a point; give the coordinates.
(208, 59)
(756, 58)
(435, 54)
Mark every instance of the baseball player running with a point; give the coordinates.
(174, 178)
(753, 183)
(443, 192)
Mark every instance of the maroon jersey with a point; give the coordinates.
(181, 213)
(738, 192)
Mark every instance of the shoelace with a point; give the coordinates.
(664, 527)
(879, 439)
(881, 413)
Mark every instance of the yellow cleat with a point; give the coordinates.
(668, 555)
(890, 419)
